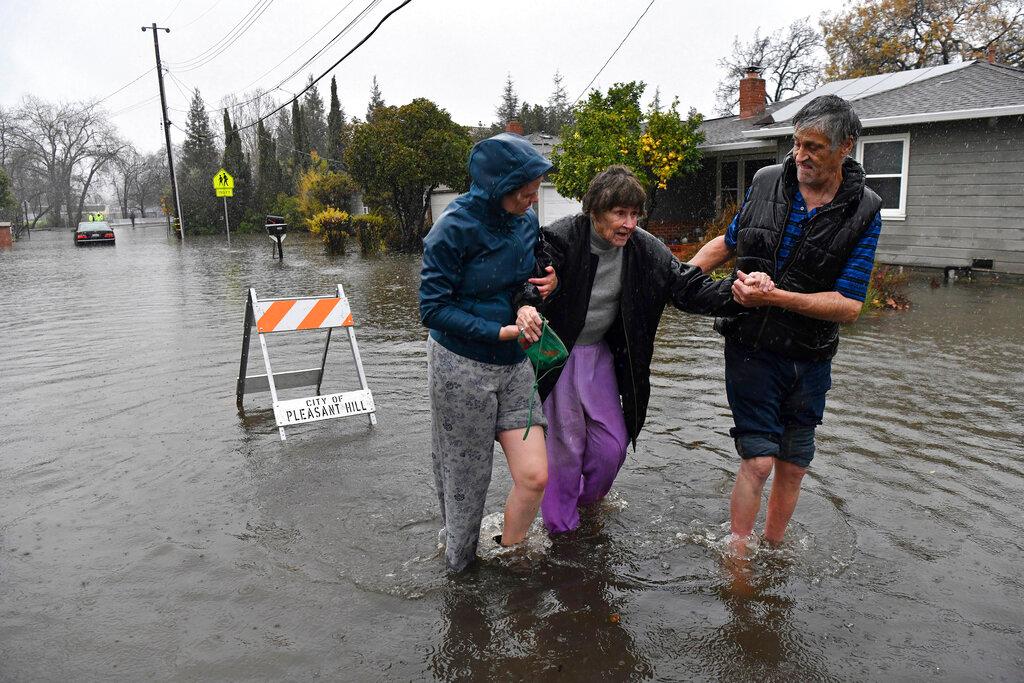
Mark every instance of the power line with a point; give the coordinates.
(628, 33)
(133, 107)
(305, 43)
(332, 67)
(208, 10)
(172, 12)
(227, 40)
(134, 80)
(355, 21)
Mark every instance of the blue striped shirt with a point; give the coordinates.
(853, 281)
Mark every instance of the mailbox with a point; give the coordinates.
(277, 229)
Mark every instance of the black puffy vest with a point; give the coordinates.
(814, 264)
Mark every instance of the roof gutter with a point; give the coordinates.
(738, 146)
(906, 119)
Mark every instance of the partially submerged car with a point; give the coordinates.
(94, 232)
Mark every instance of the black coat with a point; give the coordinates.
(651, 278)
(815, 264)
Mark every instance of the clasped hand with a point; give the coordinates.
(753, 289)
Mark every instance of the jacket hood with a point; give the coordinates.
(499, 165)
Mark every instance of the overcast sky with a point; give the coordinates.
(455, 52)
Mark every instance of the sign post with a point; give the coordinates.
(224, 184)
(293, 315)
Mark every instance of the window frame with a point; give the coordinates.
(741, 188)
(899, 213)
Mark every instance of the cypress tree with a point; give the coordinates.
(299, 147)
(313, 125)
(337, 131)
(237, 165)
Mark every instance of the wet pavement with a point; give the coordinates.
(149, 530)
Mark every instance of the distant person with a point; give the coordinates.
(778, 355)
(476, 261)
(613, 282)
(132, 217)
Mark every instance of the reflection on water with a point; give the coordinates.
(148, 529)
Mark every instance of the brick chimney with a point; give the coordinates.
(990, 54)
(752, 93)
(513, 126)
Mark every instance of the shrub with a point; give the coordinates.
(288, 206)
(886, 290)
(370, 229)
(333, 227)
(715, 228)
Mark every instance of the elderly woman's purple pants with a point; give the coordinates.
(586, 438)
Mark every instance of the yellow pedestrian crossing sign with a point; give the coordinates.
(223, 183)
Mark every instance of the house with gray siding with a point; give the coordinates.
(943, 146)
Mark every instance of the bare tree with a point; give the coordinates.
(245, 109)
(790, 60)
(66, 145)
(123, 175)
(152, 182)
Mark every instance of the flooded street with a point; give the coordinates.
(150, 531)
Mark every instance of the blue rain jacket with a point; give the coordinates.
(477, 255)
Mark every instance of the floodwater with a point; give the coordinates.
(150, 531)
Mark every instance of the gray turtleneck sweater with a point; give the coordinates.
(604, 297)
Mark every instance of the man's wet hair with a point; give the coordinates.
(612, 187)
(830, 115)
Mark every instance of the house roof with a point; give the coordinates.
(544, 143)
(941, 93)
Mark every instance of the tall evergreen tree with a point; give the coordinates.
(337, 131)
(237, 165)
(300, 150)
(199, 161)
(508, 108)
(376, 99)
(268, 170)
(314, 126)
(559, 110)
(283, 135)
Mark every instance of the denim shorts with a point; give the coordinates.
(776, 402)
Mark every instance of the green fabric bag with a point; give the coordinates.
(546, 354)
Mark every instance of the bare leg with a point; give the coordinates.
(528, 464)
(746, 495)
(782, 499)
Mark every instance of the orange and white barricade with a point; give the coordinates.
(271, 316)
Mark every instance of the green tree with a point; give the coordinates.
(8, 204)
(559, 111)
(314, 125)
(269, 180)
(612, 129)
(376, 99)
(199, 162)
(337, 130)
(879, 36)
(237, 165)
(299, 147)
(508, 108)
(321, 188)
(402, 156)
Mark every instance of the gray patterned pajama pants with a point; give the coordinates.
(470, 404)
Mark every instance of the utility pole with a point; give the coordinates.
(166, 124)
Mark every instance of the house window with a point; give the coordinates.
(735, 177)
(729, 183)
(885, 159)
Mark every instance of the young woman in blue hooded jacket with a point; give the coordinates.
(477, 260)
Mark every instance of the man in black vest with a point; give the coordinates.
(811, 224)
